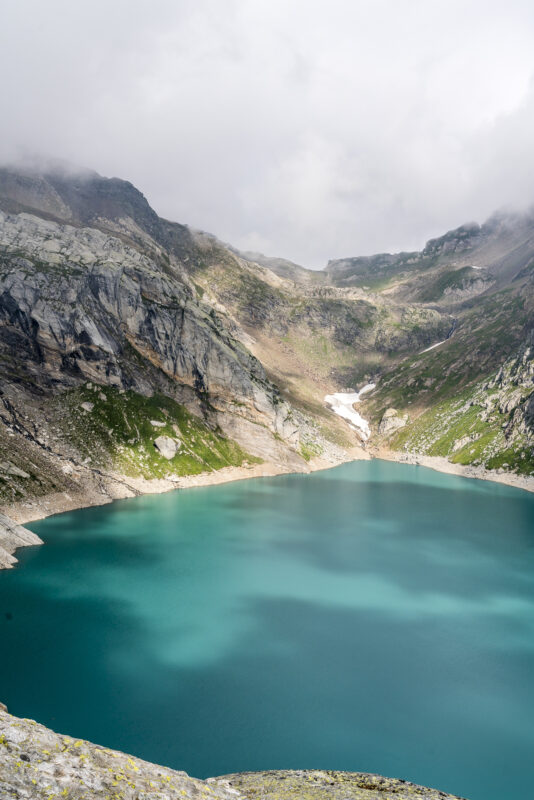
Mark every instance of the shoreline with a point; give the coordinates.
(442, 464)
(119, 487)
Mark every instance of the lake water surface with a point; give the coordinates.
(375, 617)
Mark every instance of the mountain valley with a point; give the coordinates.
(137, 352)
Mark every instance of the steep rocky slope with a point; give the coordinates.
(38, 764)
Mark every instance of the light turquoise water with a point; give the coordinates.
(375, 617)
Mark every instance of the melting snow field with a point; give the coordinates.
(342, 404)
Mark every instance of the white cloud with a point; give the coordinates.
(316, 129)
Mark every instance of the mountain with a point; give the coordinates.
(464, 262)
(283, 268)
(136, 350)
(431, 329)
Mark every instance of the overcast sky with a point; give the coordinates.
(306, 129)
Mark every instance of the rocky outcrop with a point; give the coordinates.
(326, 785)
(391, 421)
(13, 536)
(515, 398)
(38, 764)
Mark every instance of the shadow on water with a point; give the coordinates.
(341, 689)
(317, 621)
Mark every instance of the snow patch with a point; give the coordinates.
(342, 404)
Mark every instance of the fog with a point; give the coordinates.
(309, 130)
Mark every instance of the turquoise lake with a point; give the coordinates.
(375, 617)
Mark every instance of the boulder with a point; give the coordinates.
(166, 446)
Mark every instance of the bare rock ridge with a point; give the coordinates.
(492, 253)
(38, 764)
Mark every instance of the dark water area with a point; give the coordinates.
(375, 617)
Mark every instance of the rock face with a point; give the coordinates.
(515, 398)
(38, 764)
(112, 305)
(78, 299)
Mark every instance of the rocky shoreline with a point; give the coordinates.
(13, 535)
(119, 487)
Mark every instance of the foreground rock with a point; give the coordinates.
(11, 537)
(327, 784)
(36, 763)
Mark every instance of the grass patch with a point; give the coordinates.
(119, 432)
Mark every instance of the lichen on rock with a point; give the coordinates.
(38, 764)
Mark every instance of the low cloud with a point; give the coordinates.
(304, 129)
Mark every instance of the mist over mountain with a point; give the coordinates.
(284, 130)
